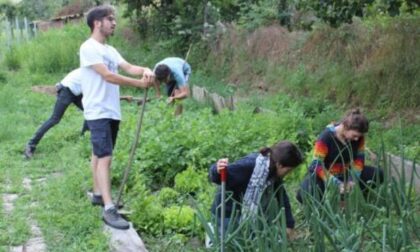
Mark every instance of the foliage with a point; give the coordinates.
(189, 181)
(168, 196)
(36, 9)
(147, 209)
(392, 7)
(403, 136)
(8, 9)
(179, 219)
(336, 13)
(43, 9)
(40, 55)
(11, 60)
(3, 77)
(353, 65)
(199, 138)
(263, 13)
(184, 21)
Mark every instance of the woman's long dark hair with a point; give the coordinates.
(284, 153)
(356, 120)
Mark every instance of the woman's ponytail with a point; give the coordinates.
(265, 151)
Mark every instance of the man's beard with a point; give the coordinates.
(107, 34)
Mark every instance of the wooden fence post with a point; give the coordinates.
(215, 100)
(25, 21)
(9, 34)
(18, 31)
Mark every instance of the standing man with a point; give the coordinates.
(174, 72)
(99, 64)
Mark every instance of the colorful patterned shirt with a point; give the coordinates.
(333, 159)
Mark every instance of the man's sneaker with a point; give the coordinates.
(113, 219)
(98, 201)
(29, 151)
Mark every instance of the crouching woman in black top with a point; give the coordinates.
(339, 159)
(254, 178)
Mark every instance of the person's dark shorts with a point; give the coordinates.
(103, 136)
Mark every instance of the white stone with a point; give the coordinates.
(16, 249)
(125, 240)
(8, 202)
(35, 245)
(35, 230)
(27, 184)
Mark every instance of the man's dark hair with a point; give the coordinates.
(162, 72)
(98, 13)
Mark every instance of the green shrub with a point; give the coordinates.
(168, 196)
(3, 77)
(147, 211)
(199, 138)
(189, 181)
(178, 239)
(12, 59)
(179, 219)
(259, 14)
(53, 51)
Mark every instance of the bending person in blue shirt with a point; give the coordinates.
(174, 72)
(255, 178)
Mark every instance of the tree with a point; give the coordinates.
(8, 8)
(181, 20)
(337, 12)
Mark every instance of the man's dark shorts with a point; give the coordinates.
(103, 136)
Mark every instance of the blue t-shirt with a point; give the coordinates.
(180, 70)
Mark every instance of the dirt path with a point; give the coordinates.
(36, 242)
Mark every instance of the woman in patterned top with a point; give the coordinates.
(339, 158)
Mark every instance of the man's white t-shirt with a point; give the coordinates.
(101, 99)
(73, 82)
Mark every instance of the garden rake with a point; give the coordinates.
(223, 178)
(133, 149)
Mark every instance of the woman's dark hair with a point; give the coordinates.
(284, 153)
(98, 13)
(162, 72)
(355, 120)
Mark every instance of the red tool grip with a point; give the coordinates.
(223, 175)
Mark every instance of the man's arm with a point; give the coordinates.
(119, 79)
(137, 70)
(183, 92)
(156, 85)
